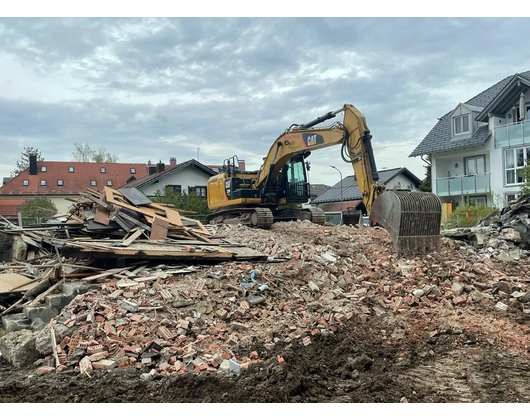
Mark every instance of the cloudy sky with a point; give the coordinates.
(147, 89)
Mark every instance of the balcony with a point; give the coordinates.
(461, 185)
(512, 134)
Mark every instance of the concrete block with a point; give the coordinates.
(15, 322)
(18, 348)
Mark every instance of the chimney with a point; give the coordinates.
(172, 161)
(160, 167)
(33, 164)
(152, 170)
(242, 166)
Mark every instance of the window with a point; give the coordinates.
(109, 183)
(514, 162)
(461, 124)
(475, 165)
(70, 169)
(60, 182)
(102, 170)
(133, 170)
(43, 169)
(477, 200)
(175, 188)
(93, 183)
(43, 182)
(200, 191)
(511, 197)
(25, 182)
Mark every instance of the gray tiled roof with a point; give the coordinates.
(350, 189)
(149, 179)
(438, 139)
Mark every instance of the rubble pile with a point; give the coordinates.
(503, 235)
(169, 320)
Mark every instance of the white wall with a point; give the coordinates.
(401, 182)
(445, 162)
(186, 177)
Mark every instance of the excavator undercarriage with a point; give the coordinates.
(263, 217)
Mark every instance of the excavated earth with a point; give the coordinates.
(449, 348)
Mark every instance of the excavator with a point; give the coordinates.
(260, 198)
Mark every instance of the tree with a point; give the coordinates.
(37, 208)
(84, 153)
(525, 189)
(190, 202)
(23, 163)
(426, 183)
(102, 156)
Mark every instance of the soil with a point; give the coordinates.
(408, 357)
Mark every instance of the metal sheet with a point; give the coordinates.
(135, 196)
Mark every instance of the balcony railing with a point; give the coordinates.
(512, 134)
(470, 184)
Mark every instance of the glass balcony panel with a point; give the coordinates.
(515, 134)
(468, 184)
(455, 186)
(482, 183)
(501, 137)
(442, 187)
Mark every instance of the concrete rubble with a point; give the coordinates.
(171, 319)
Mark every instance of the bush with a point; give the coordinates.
(189, 202)
(467, 216)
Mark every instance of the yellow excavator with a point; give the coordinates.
(259, 198)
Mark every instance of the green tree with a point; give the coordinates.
(188, 202)
(37, 208)
(23, 163)
(426, 183)
(84, 153)
(525, 189)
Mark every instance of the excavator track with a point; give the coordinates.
(318, 216)
(257, 217)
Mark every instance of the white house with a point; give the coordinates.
(480, 147)
(187, 177)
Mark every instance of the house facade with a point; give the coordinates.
(187, 177)
(478, 149)
(61, 182)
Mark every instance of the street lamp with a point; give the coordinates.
(341, 202)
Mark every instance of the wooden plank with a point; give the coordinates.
(102, 216)
(199, 224)
(16, 282)
(132, 238)
(159, 228)
(172, 215)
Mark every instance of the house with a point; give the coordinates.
(187, 177)
(63, 181)
(347, 199)
(479, 148)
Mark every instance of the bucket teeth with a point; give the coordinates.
(412, 218)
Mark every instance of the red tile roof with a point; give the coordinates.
(73, 182)
(9, 206)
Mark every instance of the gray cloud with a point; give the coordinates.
(151, 88)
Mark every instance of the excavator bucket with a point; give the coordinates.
(412, 219)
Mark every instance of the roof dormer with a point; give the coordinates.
(463, 121)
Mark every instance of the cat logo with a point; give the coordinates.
(312, 139)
